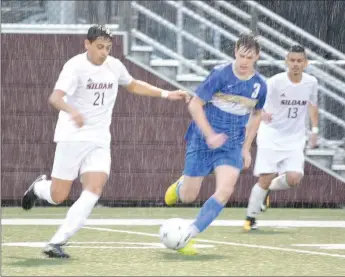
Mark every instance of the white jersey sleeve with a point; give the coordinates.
(68, 79)
(125, 78)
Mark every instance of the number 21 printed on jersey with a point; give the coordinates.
(99, 99)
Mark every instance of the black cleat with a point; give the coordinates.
(250, 224)
(55, 251)
(30, 197)
(253, 223)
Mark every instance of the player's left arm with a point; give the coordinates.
(145, 89)
(253, 126)
(142, 88)
(314, 116)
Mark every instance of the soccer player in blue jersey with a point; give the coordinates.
(226, 114)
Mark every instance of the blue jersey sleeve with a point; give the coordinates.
(262, 97)
(211, 85)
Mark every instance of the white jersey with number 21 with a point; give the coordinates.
(92, 90)
(288, 104)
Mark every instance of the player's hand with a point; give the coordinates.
(178, 95)
(266, 117)
(247, 158)
(77, 118)
(216, 140)
(313, 140)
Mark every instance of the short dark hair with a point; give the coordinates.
(97, 31)
(248, 41)
(297, 49)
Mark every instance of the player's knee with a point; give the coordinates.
(59, 198)
(188, 195)
(94, 182)
(294, 178)
(60, 190)
(264, 185)
(265, 180)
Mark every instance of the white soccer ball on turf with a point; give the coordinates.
(174, 233)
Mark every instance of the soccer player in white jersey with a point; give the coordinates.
(85, 94)
(281, 135)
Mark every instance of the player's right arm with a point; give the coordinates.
(66, 85)
(204, 93)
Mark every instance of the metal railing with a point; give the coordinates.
(294, 28)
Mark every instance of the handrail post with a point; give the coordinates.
(216, 34)
(127, 21)
(254, 24)
(254, 20)
(322, 105)
(199, 50)
(179, 38)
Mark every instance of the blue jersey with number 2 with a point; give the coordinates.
(229, 102)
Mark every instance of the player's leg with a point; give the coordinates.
(227, 166)
(266, 168)
(187, 187)
(291, 171)
(94, 172)
(65, 170)
(226, 178)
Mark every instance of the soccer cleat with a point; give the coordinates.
(55, 251)
(171, 196)
(30, 197)
(189, 249)
(250, 224)
(266, 204)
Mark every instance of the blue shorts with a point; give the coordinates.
(202, 162)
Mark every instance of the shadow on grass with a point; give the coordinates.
(262, 232)
(173, 256)
(35, 262)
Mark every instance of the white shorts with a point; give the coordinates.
(75, 158)
(274, 161)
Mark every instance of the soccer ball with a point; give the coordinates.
(174, 233)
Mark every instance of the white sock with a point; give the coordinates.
(279, 183)
(257, 197)
(76, 217)
(42, 191)
(193, 231)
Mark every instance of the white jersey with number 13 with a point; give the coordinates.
(288, 104)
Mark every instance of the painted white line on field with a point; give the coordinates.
(157, 222)
(323, 246)
(228, 243)
(122, 231)
(100, 244)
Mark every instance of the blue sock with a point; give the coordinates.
(209, 211)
